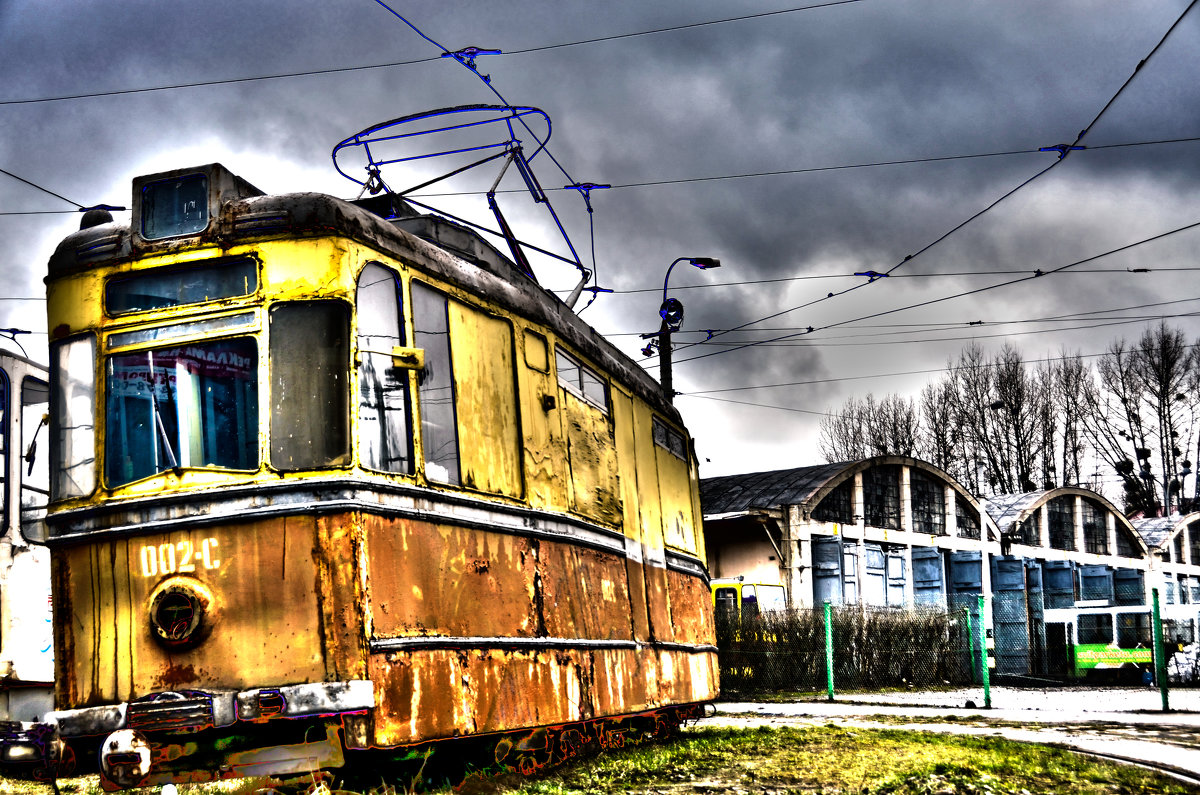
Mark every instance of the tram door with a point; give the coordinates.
(1058, 649)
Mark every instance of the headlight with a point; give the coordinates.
(19, 752)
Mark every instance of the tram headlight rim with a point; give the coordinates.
(181, 629)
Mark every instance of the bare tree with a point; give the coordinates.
(891, 426)
(841, 436)
(867, 427)
(1141, 417)
(940, 442)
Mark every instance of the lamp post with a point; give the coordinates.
(671, 313)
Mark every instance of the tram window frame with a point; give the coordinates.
(152, 206)
(669, 439)
(725, 601)
(207, 416)
(73, 463)
(379, 309)
(309, 384)
(580, 380)
(185, 280)
(1140, 625)
(438, 415)
(35, 410)
(1094, 628)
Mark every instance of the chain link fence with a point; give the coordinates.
(975, 642)
(869, 648)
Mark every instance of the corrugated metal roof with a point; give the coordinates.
(1007, 508)
(1157, 529)
(732, 493)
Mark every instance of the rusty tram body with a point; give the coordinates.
(326, 479)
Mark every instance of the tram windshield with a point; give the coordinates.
(194, 405)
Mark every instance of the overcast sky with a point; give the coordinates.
(673, 119)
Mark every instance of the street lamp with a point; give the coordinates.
(671, 313)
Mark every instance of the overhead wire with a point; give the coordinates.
(841, 167)
(916, 328)
(883, 313)
(1062, 149)
(78, 206)
(926, 371)
(414, 61)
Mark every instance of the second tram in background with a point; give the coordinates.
(325, 481)
(26, 653)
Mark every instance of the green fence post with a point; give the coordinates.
(983, 661)
(970, 643)
(1160, 662)
(829, 648)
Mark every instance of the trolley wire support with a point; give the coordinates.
(458, 133)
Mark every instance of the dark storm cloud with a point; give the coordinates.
(860, 83)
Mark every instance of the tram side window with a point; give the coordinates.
(35, 473)
(435, 393)
(726, 600)
(309, 394)
(1134, 631)
(194, 405)
(73, 396)
(1095, 628)
(383, 437)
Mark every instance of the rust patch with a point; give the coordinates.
(480, 565)
(175, 675)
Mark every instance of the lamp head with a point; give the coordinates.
(671, 312)
(704, 263)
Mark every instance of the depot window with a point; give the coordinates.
(1095, 528)
(838, 505)
(1060, 513)
(188, 406)
(206, 281)
(881, 496)
(928, 503)
(967, 518)
(310, 361)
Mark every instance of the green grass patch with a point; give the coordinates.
(841, 760)
(825, 759)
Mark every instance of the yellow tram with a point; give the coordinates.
(326, 480)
